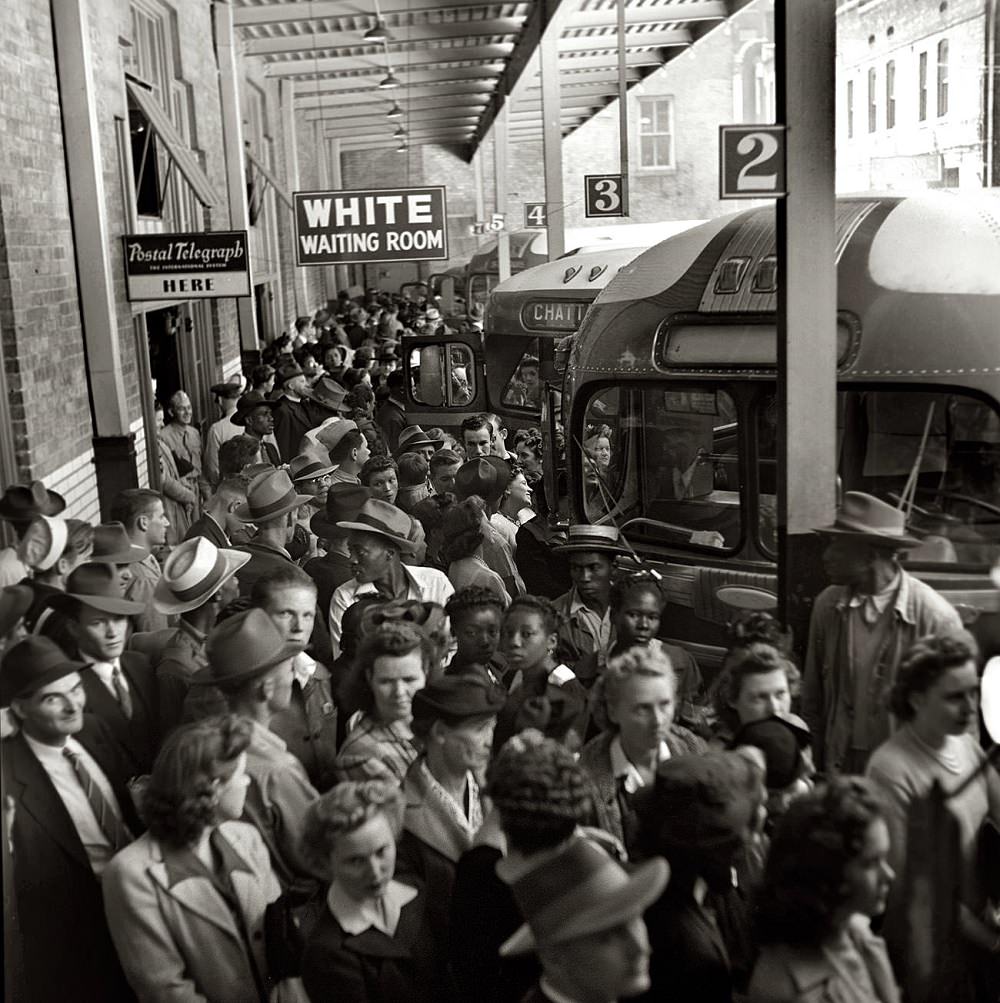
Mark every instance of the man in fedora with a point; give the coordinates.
(586, 607)
(311, 473)
(309, 724)
(861, 625)
(64, 781)
(144, 517)
(255, 415)
(413, 439)
(198, 581)
(251, 663)
(292, 417)
(218, 522)
(271, 506)
(221, 430)
(333, 567)
(20, 504)
(377, 539)
(327, 398)
(348, 449)
(112, 545)
(120, 685)
(583, 915)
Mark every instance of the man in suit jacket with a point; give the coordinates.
(120, 685)
(64, 780)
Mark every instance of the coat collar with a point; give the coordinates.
(425, 820)
(904, 605)
(376, 944)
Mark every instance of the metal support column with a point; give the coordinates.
(622, 107)
(337, 184)
(291, 142)
(548, 50)
(500, 188)
(232, 132)
(88, 202)
(807, 300)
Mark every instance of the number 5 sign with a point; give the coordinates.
(604, 195)
(751, 161)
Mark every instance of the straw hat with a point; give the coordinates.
(587, 537)
(578, 892)
(43, 542)
(194, 572)
(865, 517)
(270, 495)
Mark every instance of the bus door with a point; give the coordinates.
(445, 378)
(443, 288)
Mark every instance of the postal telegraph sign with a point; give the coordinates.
(181, 266)
(751, 161)
(368, 226)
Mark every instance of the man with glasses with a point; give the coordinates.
(311, 474)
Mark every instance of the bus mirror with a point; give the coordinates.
(990, 698)
(550, 448)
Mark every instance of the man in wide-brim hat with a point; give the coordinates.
(413, 439)
(377, 538)
(255, 414)
(120, 685)
(861, 626)
(586, 628)
(584, 921)
(331, 569)
(327, 396)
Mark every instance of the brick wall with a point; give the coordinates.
(39, 312)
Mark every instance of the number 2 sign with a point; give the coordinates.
(604, 195)
(751, 161)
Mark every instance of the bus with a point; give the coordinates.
(675, 365)
(454, 375)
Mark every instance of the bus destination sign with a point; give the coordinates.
(553, 315)
(184, 266)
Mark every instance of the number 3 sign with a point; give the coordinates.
(604, 195)
(751, 161)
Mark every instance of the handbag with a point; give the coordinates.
(284, 941)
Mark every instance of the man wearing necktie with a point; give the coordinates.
(861, 626)
(120, 685)
(64, 777)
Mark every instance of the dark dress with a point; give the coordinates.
(483, 915)
(371, 967)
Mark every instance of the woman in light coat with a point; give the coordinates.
(185, 903)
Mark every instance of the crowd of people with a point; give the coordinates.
(333, 715)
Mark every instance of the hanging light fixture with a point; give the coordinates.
(402, 148)
(389, 82)
(377, 33)
(394, 112)
(399, 133)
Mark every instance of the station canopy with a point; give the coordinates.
(449, 65)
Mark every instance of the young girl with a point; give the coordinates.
(528, 639)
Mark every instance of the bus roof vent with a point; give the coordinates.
(730, 275)
(765, 278)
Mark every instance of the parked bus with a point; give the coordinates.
(675, 364)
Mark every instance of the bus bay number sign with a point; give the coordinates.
(604, 195)
(751, 161)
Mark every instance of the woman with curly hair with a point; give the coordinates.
(541, 799)
(827, 875)
(186, 901)
(391, 666)
(372, 943)
(462, 549)
(528, 446)
(633, 703)
(935, 701)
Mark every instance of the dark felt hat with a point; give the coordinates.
(458, 697)
(486, 476)
(15, 601)
(343, 503)
(30, 664)
(247, 403)
(243, 647)
(22, 502)
(328, 393)
(96, 584)
(112, 545)
(783, 740)
(414, 437)
(227, 390)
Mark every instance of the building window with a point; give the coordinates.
(656, 132)
(890, 94)
(922, 91)
(850, 109)
(942, 77)
(872, 101)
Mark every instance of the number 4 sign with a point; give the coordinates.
(536, 216)
(604, 195)
(751, 161)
